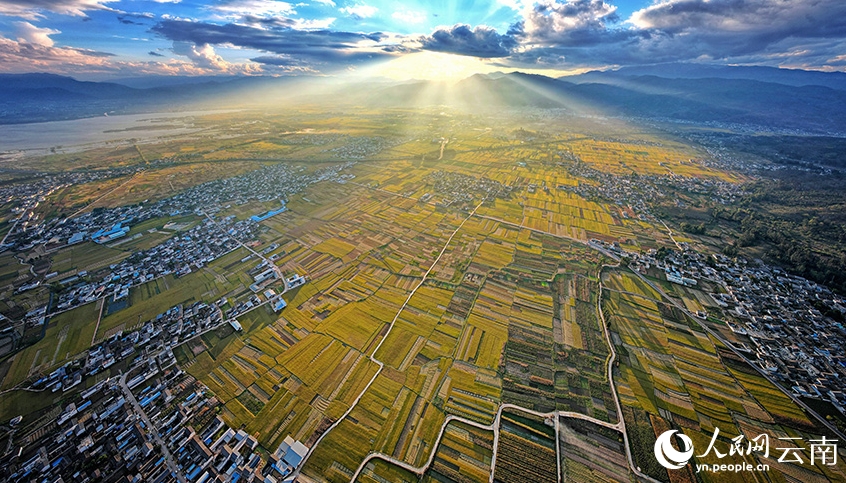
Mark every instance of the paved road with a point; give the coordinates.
(15, 225)
(619, 426)
(272, 265)
(443, 145)
(151, 430)
(670, 232)
(89, 205)
(701, 322)
(376, 349)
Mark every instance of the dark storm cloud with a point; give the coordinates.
(589, 32)
(314, 48)
(154, 53)
(127, 21)
(482, 42)
(271, 40)
(399, 49)
(266, 22)
(316, 43)
(745, 26)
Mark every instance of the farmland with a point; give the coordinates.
(65, 337)
(528, 451)
(674, 375)
(437, 290)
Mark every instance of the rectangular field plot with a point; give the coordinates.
(526, 452)
(463, 456)
(67, 335)
(380, 471)
(672, 374)
(590, 452)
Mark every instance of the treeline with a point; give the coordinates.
(696, 229)
(799, 227)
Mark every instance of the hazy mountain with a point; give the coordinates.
(147, 82)
(791, 77)
(12, 84)
(814, 108)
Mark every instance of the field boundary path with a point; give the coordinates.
(376, 349)
(495, 424)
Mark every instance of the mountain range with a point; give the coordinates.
(758, 97)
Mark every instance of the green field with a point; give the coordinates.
(88, 256)
(155, 297)
(68, 334)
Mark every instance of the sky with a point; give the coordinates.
(440, 39)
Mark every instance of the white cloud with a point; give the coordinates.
(326, 2)
(361, 11)
(409, 16)
(550, 21)
(313, 24)
(18, 57)
(33, 9)
(26, 32)
(202, 56)
(257, 8)
(22, 56)
(516, 5)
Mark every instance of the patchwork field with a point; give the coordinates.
(443, 281)
(672, 375)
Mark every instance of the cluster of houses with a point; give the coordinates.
(792, 328)
(184, 252)
(269, 183)
(154, 339)
(638, 190)
(26, 198)
(460, 188)
(795, 328)
(178, 255)
(114, 432)
(360, 147)
(95, 438)
(103, 424)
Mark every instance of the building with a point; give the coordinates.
(279, 304)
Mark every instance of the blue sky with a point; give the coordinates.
(119, 38)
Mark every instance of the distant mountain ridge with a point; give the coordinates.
(791, 77)
(738, 97)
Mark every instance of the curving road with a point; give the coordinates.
(494, 426)
(620, 425)
(372, 356)
(621, 420)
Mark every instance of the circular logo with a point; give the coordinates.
(668, 456)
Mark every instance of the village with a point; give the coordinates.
(790, 327)
(184, 251)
